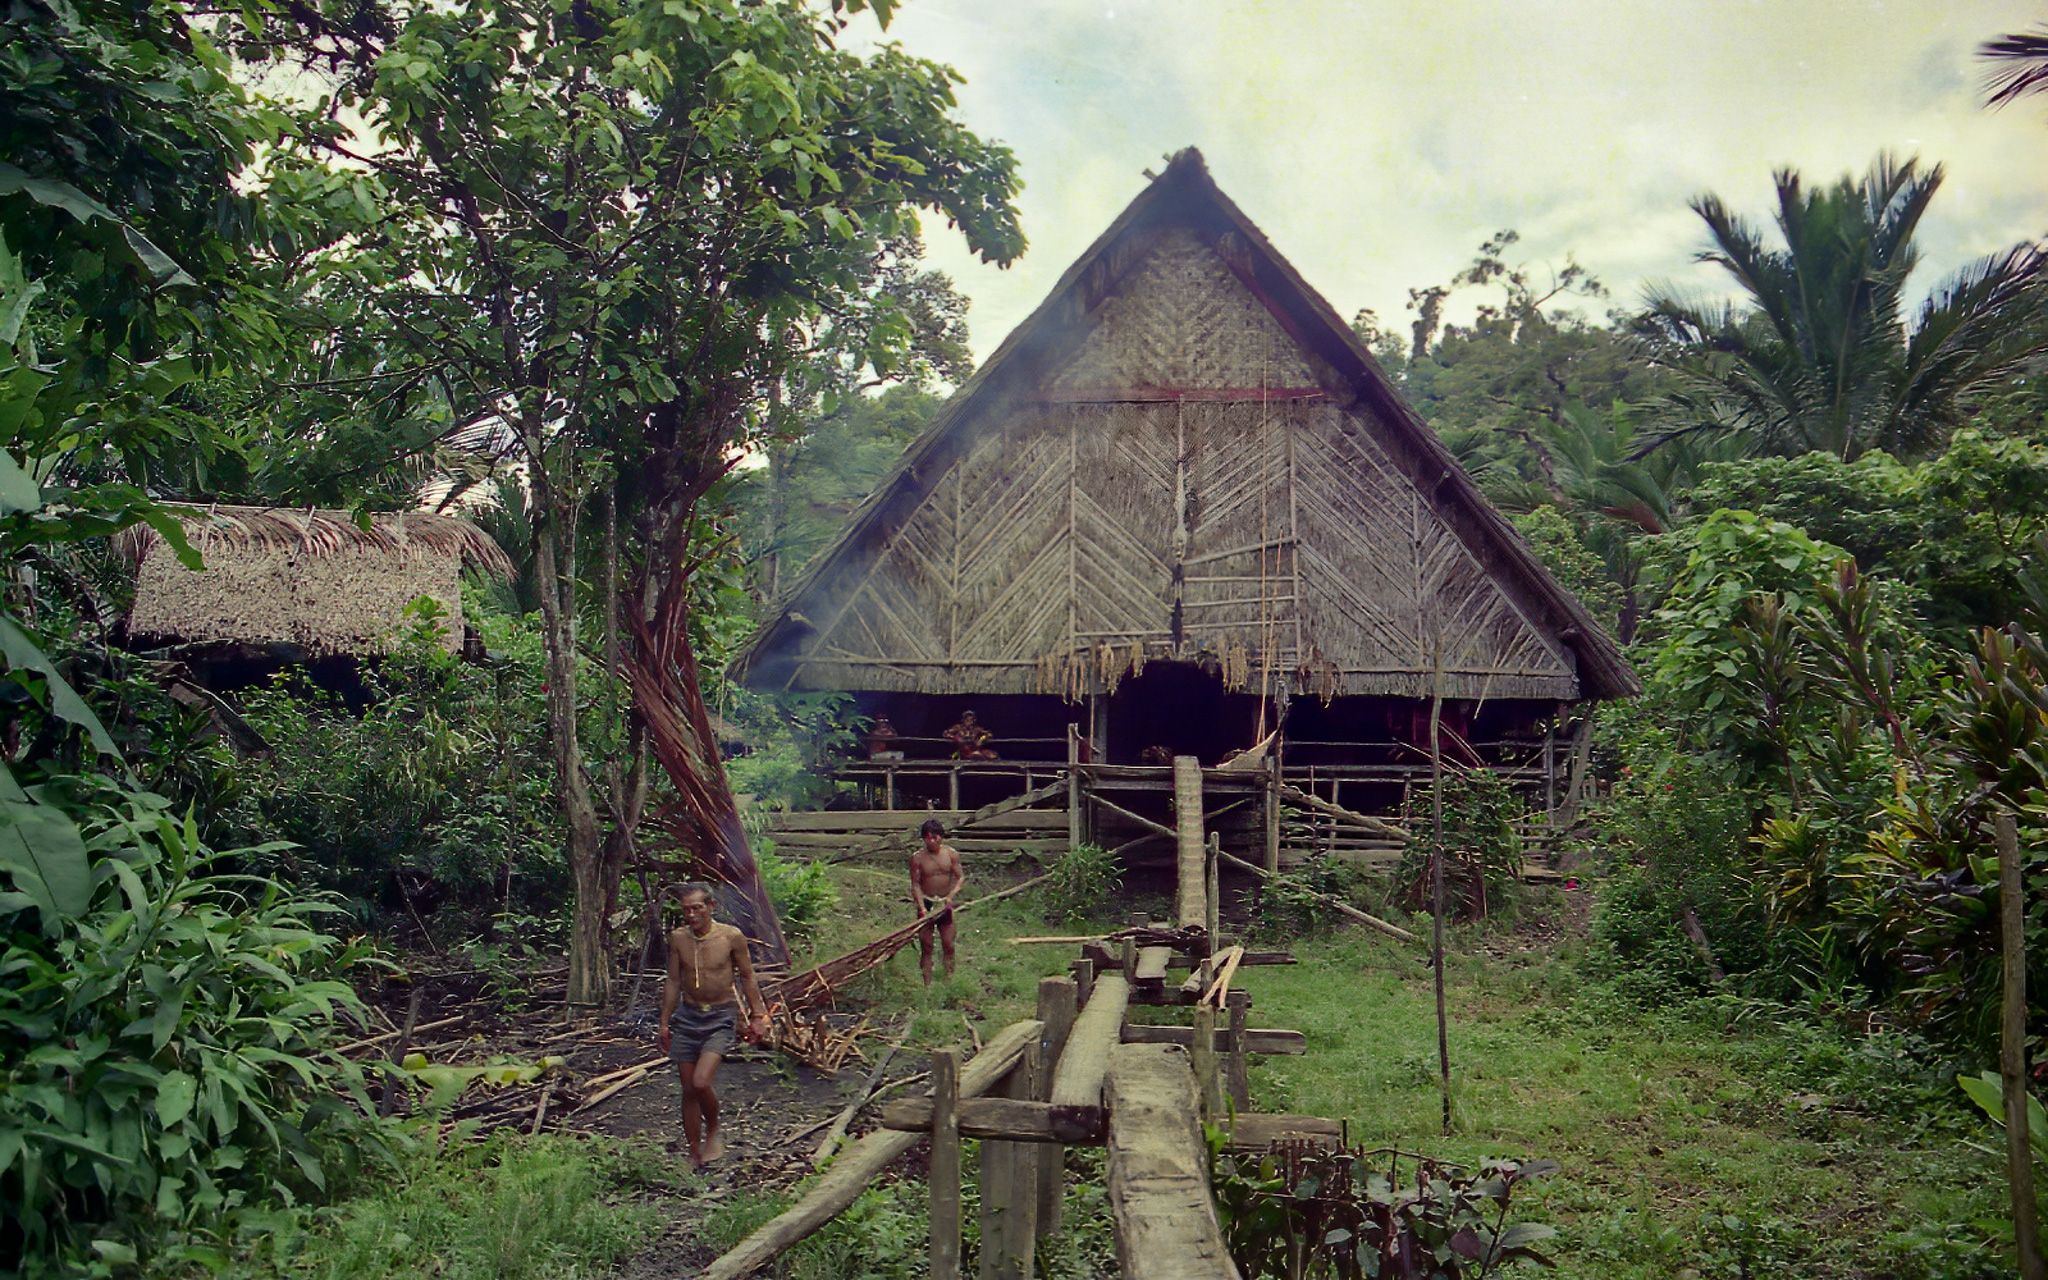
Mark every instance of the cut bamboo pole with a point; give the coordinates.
(830, 1142)
(859, 1164)
(2012, 1051)
(1377, 826)
(422, 1029)
(1342, 908)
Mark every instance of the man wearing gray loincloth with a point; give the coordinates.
(706, 962)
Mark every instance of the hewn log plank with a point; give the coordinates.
(908, 841)
(1077, 1081)
(1166, 1226)
(1002, 1120)
(859, 1163)
(1268, 1041)
(1190, 904)
(1253, 1131)
(1151, 967)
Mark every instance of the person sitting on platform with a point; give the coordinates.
(970, 739)
(882, 741)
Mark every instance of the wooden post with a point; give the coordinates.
(1240, 1003)
(889, 787)
(1098, 727)
(1074, 832)
(1084, 981)
(2012, 1051)
(1009, 1186)
(1203, 1052)
(1212, 882)
(1550, 774)
(1057, 1004)
(945, 1168)
(1273, 814)
(953, 788)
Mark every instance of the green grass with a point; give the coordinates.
(511, 1208)
(1716, 1138)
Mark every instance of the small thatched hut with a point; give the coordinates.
(298, 586)
(1184, 493)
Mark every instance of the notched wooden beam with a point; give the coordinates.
(1004, 1120)
(1263, 1040)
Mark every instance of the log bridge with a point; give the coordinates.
(1082, 1074)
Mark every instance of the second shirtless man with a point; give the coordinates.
(935, 873)
(707, 962)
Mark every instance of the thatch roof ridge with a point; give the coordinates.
(1310, 319)
(316, 532)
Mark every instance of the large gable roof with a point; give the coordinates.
(1109, 483)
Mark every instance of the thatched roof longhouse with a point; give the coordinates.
(1183, 454)
(313, 580)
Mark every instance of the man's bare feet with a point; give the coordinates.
(714, 1147)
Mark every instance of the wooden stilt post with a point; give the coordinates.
(2012, 1052)
(953, 788)
(1009, 1187)
(1240, 1003)
(889, 787)
(1057, 1004)
(1074, 832)
(1273, 814)
(1084, 980)
(945, 1167)
(1212, 883)
(1204, 1055)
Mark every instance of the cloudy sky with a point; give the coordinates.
(1377, 142)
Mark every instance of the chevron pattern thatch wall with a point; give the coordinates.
(1183, 456)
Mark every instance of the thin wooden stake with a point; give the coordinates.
(412, 1016)
(945, 1166)
(1203, 1053)
(2012, 1051)
(1058, 1002)
(1436, 874)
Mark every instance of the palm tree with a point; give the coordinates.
(1819, 355)
(2021, 66)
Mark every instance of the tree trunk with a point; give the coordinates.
(555, 553)
(704, 818)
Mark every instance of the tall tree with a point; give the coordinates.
(1819, 355)
(610, 230)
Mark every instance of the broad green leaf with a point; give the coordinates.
(21, 653)
(47, 843)
(18, 489)
(174, 1095)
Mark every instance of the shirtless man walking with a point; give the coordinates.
(706, 962)
(935, 873)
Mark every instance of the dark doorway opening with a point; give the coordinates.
(1182, 708)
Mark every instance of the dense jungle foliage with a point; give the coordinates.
(1817, 515)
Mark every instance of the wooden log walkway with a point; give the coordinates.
(1080, 1074)
(1166, 1224)
(859, 1163)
